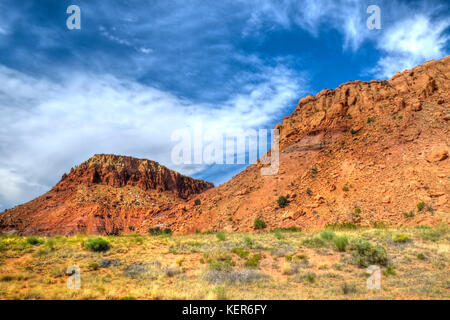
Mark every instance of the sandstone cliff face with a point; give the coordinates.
(365, 153)
(107, 194)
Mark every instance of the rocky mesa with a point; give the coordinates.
(107, 194)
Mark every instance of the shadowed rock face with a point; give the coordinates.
(107, 194)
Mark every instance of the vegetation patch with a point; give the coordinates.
(401, 238)
(97, 244)
(282, 201)
(35, 241)
(242, 253)
(340, 242)
(365, 254)
(314, 243)
(221, 236)
(327, 235)
(259, 224)
(253, 262)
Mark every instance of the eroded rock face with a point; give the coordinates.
(107, 194)
(365, 152)
(121, 171)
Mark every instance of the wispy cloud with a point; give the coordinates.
(409, 43)
(46, 127)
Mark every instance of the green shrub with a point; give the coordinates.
(309, 192)
(345, 188)
(300, 257)
(50, 244)
(420, 256)
(259, 224)
(167, 231)
(248, 242)
(365, 254)
(220, 265)
(401, 238)
(221, 236)
(93, 266)
(358, 210)
(282, 201)
(327, 235)
(154, 231)
(34, 241)
(340, 243)
(314, 170)
(341, 226)
(389, 271)
(197, 202)
(370, 120)
(253, 262)
(379, 225)
(408, 214)
(420, 206)
(429, 235)
(313, 243)
(310, 277)
(278, 234)
(98, 244)
(242, 253)
(288, 229)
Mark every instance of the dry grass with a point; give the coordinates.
(200, 266)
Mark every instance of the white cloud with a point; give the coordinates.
(47, 127)
(345, 16)
(411, 42)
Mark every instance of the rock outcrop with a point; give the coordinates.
(365, 153)
(107, 194)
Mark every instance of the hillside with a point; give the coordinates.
(107, 194)
(364, 153)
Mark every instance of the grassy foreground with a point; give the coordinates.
(281, 264)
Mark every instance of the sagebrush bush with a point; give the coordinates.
(365, 254)
(221, 236)
(340, 243)
(259, 224)
(34, 240)
(98, 244)
(313, 243)
(242, 253)
(327, 235)
(253, 262)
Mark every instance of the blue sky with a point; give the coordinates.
(139, 70)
